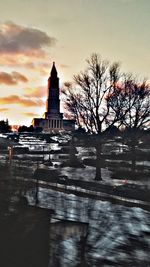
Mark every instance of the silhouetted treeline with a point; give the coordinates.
(29, 129)
(4, 126)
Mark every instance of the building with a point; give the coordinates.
(52, 120)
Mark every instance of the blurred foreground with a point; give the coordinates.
(72, 202)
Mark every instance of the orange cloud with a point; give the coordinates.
(12, 99)
(17, 100)
(38, 92)
(31, 103)
(3, 109)
(12, 78)
(30, 114)
(34, 62)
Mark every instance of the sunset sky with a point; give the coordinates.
(34, 33)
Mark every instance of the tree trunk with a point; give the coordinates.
(133, 153)
(98, 162)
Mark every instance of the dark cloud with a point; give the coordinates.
(12, 78)
(18, 39)
(22, 101)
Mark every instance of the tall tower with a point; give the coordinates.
(52, 120)
(53, 101)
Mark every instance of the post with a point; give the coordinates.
(36, 192)
(10, 153)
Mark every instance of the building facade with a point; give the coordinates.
(52, 120)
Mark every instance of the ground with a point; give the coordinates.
(95, 212)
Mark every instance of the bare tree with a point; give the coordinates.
(71, 102)
(87, 101)
(101, 97)
(130, 101)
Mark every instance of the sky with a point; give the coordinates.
(34, 33)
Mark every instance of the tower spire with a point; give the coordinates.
(53, 71)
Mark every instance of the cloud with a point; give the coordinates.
(30, 114)
(38, 92)
(19, 39)
(22, 101)
(31, 103)
(4, 109)
(12, 99)
(12, 78)
(22, 46)
(64, 66)
(33, 63)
